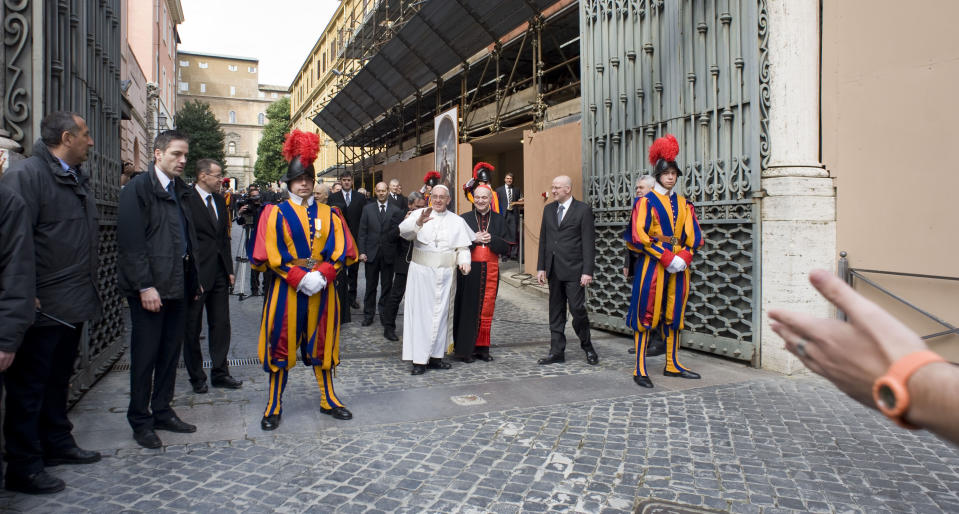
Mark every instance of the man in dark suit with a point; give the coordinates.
(396, 195)
(156, 238)
(379, 230)
(215, 261)
(566, 253)
(401, 267)
(507, 194)
(351, 205)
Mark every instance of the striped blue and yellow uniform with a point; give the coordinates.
(661, 227)
(293, 322)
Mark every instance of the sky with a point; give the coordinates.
(280, 33)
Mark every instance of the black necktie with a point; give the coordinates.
(185, 234)
(382, 212)
(209, 206)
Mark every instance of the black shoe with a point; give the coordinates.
(147, 439)
(655, 349)
(355, 304)
(591, 357)
(338, 412)
(174, 424)
(367, 322)
(37, 483)
(200, 388)
(435, 363)
(270, 422)
(468, 359)
(485, 357)
(551, 358)
(74, 455)
(418, 369)
(681, 374)
(642, 381)
(390, 334)
(227, 382)
(633, 350)
(255, 292)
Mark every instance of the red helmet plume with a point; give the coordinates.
(481, 165)
(666, 148)
(433, 176)
(304, 145)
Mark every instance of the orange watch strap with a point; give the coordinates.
(895, 381)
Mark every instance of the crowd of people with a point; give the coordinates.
(175, 262)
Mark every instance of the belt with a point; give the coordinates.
(483, 254)
(434, 259)
(664, 239)
(307, 263)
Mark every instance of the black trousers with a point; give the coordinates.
(36, 407)
(392, 305)
(377, 271)
(255, 282)
(562, 293)
(352, 273)
(217, 304)
(155, 342)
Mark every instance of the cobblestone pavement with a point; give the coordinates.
(506, 436)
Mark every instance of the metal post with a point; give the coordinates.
(843, 272)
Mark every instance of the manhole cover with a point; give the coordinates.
(664, 507)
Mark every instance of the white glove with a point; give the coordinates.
(312, 283)
(677, 265)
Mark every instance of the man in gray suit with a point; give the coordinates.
(566, 253)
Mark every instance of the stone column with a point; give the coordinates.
(799, 207)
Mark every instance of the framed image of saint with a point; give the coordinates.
(445, 147)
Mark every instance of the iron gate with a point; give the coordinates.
(79, 43)
(696, 69)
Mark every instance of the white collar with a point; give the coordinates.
(662, 190)
(202, 192)
(162, 177)
(299, 201)
(383, 204)
(567, 203)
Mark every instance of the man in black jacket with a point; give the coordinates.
(214, 259)
(158, 274)
(566, 252)
(62, 212)
(351, 205)
(17, 277)
(507, 194)
(379, 230)
(396, 195)
(401, 266)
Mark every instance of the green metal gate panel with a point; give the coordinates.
(696, 69)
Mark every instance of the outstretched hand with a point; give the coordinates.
(425, 216)
(851, 355)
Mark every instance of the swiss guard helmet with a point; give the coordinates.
(300, 149)
(431, 178)
(662, 155)
(482, 172)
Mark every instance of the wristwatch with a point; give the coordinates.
(890, 391)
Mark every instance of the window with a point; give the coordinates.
(251, 69)
(232, 90)
(184, 64)
(184, 86)
(261, 118)
(272, 95)
(202, 87)
(203, 65)
(261, 94)
(232, 116)
(231, 67)
(231, 148)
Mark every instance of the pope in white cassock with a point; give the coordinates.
(441, 244)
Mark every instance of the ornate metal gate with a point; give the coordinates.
(79, 43)
(696, 69)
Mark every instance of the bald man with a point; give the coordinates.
(566, 253)
(377, 238)
(321, 192)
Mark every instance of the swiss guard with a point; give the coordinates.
(665, 233)
(429, 181)
(482, 176)
(305, 243)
